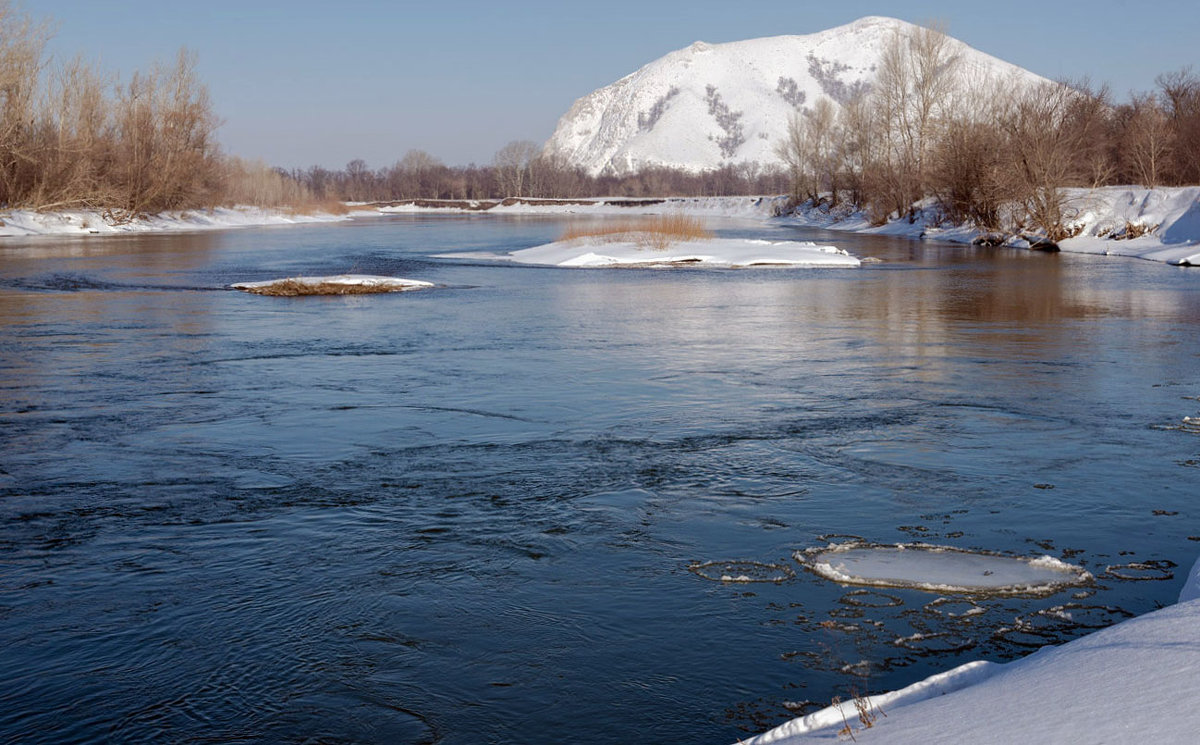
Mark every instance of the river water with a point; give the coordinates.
(472, 514)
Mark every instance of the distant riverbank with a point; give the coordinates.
(1154, 224)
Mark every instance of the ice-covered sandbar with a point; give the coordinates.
(1135, 682)
(729, 253)
(339, 284)
(923, 566)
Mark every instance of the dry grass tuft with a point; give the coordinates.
(296, 288)
(656, 233)
(318, 207)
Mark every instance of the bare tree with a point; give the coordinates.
(1045, 149)
(166, 151)
(1180, 92)
(1145, 141)
(22, 42)
(512, 163)
(810, 152)
(917, 74)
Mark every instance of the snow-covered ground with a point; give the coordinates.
(92, 222)
(711, 252)
(1135, 682)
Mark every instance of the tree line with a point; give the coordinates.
(522, 169)
(994, 152)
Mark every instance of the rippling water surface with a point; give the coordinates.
(468, 514)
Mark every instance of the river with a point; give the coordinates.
(473, 514)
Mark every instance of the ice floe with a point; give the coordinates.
(742, 571)
(940, 568)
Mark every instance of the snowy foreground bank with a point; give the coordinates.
(14, 223)
(1137, 681)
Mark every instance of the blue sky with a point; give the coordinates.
(300, 82)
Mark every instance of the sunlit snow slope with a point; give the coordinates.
(711, 105)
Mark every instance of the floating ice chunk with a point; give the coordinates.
(940, 569)
(340, 284)
(742, 571)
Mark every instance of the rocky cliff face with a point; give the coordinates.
(712, 105)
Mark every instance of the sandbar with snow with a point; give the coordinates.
(331, 285)
(712, 252)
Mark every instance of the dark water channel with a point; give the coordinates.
(466, 515)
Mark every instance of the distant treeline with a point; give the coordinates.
(992, 152)
(521, 170)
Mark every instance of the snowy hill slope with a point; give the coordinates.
(711, 105)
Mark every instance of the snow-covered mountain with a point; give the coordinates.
(710, 105)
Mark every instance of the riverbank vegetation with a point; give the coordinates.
(997, 154)
(74, 137)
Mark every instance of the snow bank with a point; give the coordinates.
(1110, 219)
(1132, 682)
(1154, 224)
(713, 252)
(940, 569)
(1191, 587)
(92, 222)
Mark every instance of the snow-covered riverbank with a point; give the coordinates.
(1155, 224)
(15, 223)
(1132, 682)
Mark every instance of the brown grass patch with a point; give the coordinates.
(318, 207)
(296, 288)
(656, 233)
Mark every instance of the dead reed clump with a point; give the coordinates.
(297, 288)
(656, 233)
(318, 207)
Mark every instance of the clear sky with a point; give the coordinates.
(303, 82)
